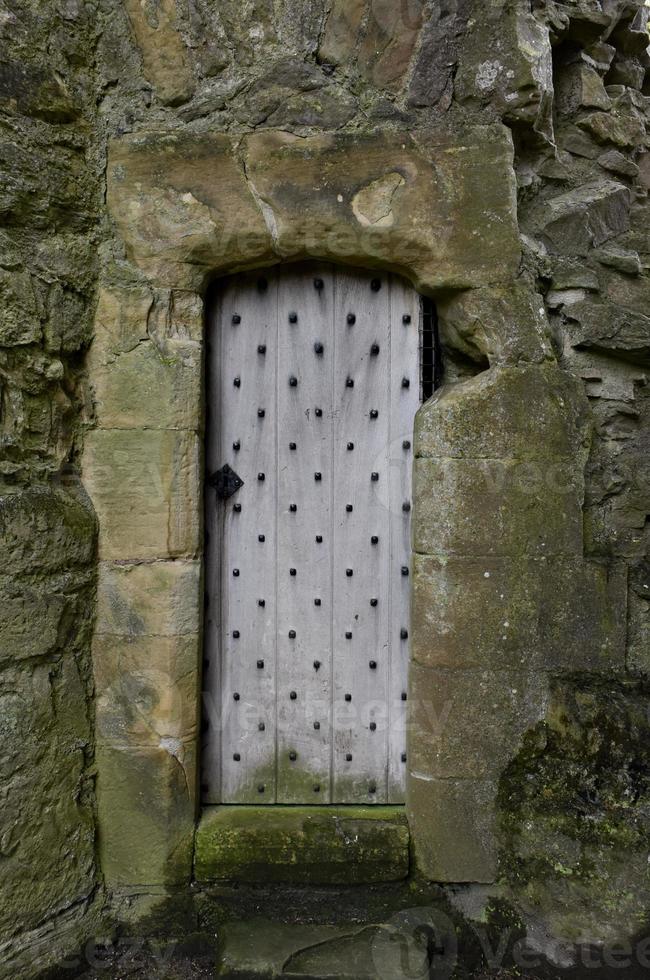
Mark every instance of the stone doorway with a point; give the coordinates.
(315, 374)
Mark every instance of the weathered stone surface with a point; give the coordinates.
(616, 163)
(504, 325)
(341, 30)
(588, 847)
(505, 60)
(146, 806)
(309, 187)
(612, 329)
(315, 845)
(48, 850)
(623, 128)
(584, 217)
(267, 950)
(145, 487)
(159, 598)
(184, 207)
(480, 418)
(390, 38)
(497, 507)
(579, 86)
(538, 614)
(46, 530)
(638, 656)
(467, 724)
(432, 78)
(620, 259)
(165, 57)
(453, 823)
(147, 691)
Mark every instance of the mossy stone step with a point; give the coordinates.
(331, 845)
(262, 950)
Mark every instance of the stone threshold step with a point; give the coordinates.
(262, 950)
(328, 845)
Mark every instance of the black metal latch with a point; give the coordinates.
(225, 481)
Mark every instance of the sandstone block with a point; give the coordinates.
(159, 598)
(453, 822)
(497, 507)
(144, 484)
(165, 57)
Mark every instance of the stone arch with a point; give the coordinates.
(442, 214)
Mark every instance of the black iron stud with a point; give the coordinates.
(293, 695)
(406, 506)
(318, 476)
(292, 446)
(317, 726)
(348, 697)
(316, 664)
(348, 634)
(237, 382)
(374, 477)
(351, 319)
(235, 572)
(406, 444)
(293, 508)
(261, 538)
(318, 412)
(318, 347)
(317, 602)
(406, 383)
(261, 477)
(236, 446)
(292, 571)
(348, 757)
(318, 284)
(236, 318)
(261, 413)
(372, 789)
(293, 756)
(375, 285)
(293, 318)
(261, 727)
(261, 602)
(403, 757)
(319, 539)
(235, 696)
(405, 570)
(350, 447)
(349, 508)
(349, 572)
(374, 539)
(316, 788)
(349, 382)
(374, 414)
(260, 788)
(404, 634)
(373, 665)
(373, 726)
(373, 602)
(374, 350)
(236, 757)
(237, 508)
(404, 696)
(236, 634)
(292, 634)
(406, 319)
(293, 381)
(261, 348)
(262, 284)
(260, 665)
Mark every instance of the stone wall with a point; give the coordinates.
(532, 461)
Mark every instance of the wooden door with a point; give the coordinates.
(313, 385)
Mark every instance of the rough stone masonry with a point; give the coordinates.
(496, 153)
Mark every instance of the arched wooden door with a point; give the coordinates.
(313, 384)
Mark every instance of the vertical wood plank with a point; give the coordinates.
(360, 569)
(304, 534)
(249, 419)
(404, 403)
